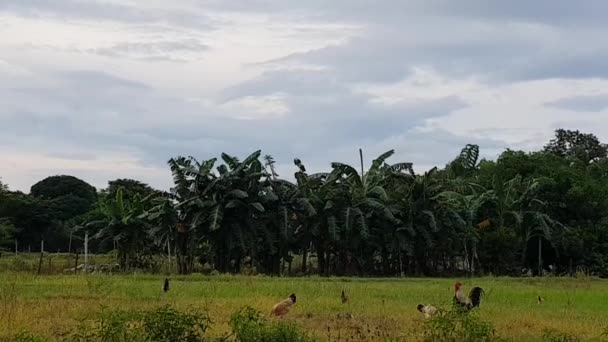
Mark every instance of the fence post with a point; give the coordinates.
(41, 255)
(86, 251)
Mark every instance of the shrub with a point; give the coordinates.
(458, 326)
(168, 324)
(162, 324)
(249, 325)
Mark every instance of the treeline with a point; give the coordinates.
(544, 210)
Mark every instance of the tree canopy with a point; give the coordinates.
(524, 211)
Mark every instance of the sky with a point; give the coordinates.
(106, 89)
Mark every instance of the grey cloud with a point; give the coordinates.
(66, 114)
(105, 11)
(159, 50)
(110, 113)
(555, 12)
(591, 103)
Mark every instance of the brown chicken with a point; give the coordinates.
(282, 308)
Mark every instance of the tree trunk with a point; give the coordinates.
(321, 258)
(385, 262)
(540, 256)
(305, 260)
(466, 256)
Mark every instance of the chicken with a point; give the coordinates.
(467, 302)
(540, 300)
(166, 285)
(282, 308)
(344, 297)
(428, 310)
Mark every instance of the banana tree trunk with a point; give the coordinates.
(540, 256)
(321, 258)
(466, 256)
(305, 260)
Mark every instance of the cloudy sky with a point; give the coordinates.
(102, 89)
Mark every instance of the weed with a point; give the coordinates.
(163, 324)
(249, 325)
(168, 324)
(456, 325)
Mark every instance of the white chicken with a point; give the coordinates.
(428, 310)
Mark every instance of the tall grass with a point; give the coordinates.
(49, 305)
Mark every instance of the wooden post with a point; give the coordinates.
(86, 251)
(41, 256)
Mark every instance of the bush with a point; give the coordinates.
(459, 326)
(163, 324)
(168, 324)
(249, 325)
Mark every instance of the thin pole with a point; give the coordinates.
(361, 159)
(86, 251)
(41, 255)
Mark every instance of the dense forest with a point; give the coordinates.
(544, 211)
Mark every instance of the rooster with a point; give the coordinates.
(467, 302)
(428, 310)
(282, 307)
(344, 297)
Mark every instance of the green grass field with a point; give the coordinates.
(50, 305)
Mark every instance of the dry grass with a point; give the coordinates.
(50, 305)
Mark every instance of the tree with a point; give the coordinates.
(130, 188)
(7, 233)
(123, 225)
(58, 186)
(3, 187)
(576, 145)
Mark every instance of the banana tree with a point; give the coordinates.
(122, 224)
(317, 225)
(358, 199)
(192, 180)
(228, 207)
(465, 210)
